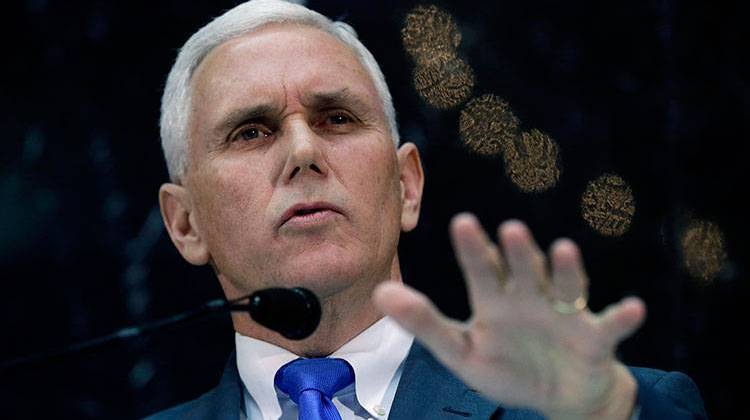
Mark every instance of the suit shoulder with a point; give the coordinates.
(647, 376)
(663, 380)
(657, 385)
(220, 403)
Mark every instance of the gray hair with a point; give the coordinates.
(243, 19)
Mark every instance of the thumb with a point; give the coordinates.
(444, 337)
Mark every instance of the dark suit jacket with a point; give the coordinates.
(427, 390)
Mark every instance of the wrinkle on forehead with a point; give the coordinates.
(219, 79)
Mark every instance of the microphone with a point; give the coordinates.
(294, 313)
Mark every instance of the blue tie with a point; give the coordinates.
(311, 384)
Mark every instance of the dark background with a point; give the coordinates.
(657, 91)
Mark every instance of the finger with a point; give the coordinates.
(415, 313)
(526, 262)
(620, 320)
(569, 280)
(479, 260)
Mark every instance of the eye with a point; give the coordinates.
(250, 132)
(337, 122)
(339, 119)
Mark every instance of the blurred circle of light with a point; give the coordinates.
(531, 161)
(487, 125)
(608, 205)
(427, 31)
(444, 83)
(703, 250)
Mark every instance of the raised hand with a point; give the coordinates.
(531, 341)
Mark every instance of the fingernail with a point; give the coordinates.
(514, 224)
(465, 217)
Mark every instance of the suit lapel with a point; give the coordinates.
(225, 401)
(427, 390)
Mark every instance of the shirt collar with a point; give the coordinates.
(375, 355)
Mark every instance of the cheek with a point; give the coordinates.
(369, 174)
(374, 186)
(226, 203)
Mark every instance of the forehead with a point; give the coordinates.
(278, 58)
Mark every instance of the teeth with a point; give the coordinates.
(308, 211)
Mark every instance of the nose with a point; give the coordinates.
(305, 156)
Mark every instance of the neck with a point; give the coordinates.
(344, 316)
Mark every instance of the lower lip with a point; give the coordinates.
(311, 219)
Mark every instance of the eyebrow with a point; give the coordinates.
(339, 98)
(240, 115)
(317, 100)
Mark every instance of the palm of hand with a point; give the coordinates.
(517, 349)
(523, 355)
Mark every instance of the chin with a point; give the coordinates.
(324, 273)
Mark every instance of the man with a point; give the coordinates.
(282, 146)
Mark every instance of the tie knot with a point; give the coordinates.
(325, 375)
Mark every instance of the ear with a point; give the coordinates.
(179, 219)
(412, 183)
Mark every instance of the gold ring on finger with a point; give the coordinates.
(568, 308)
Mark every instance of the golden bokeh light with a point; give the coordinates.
(531, 161)
(703, 249)
(429, 31)
(487, 125)
(444, 83)
(608, 205)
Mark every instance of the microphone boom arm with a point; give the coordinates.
(263, 307)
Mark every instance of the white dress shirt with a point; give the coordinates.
(377, 356)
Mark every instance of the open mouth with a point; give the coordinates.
(309, 214)
(308, 211)
(309, 218)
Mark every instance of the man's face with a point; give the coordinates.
(286, 116)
